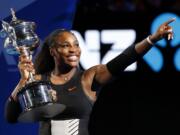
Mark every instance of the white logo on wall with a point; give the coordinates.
(90, 45)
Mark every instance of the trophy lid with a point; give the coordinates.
(20, 23)
(14, 20)
(19, 33)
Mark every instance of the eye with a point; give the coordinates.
(64, 45)
(76, 44)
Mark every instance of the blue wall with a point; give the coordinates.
(48, 15)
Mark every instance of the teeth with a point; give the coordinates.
(72, 58)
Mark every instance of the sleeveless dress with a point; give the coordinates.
(78, 109)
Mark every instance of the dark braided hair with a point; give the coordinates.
(44, 62)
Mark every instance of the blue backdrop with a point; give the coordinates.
(48, 15)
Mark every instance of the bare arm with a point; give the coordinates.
(102, 73)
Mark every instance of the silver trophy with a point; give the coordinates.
(35, 99)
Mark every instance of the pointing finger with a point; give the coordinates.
(169, 21)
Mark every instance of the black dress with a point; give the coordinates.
(78, 105)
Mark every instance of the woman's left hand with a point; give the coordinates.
(164, 31)
(53, 95)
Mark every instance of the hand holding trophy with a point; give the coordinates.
(35, 98)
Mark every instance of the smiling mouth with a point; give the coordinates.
(73, 58)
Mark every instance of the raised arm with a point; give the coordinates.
(12, 106)
(104, 72)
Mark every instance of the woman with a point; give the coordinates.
(58, 63)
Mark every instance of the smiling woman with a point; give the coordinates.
(66, 49)
(58, 63)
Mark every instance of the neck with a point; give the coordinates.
(62, 76)
(61, 68)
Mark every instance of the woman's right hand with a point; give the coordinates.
(25, 66)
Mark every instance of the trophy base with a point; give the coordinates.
(41, 113)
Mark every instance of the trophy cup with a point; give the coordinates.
(35, 99)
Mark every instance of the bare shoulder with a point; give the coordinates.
(99, 72)
(88, 74)
(96, 68)
(92, 71)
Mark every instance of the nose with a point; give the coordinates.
(72, 49)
